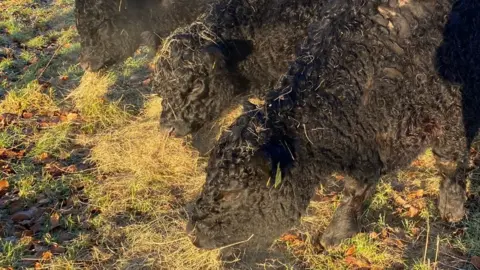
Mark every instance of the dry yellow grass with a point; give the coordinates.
(149, 176)
(89, 99)
(33, 98)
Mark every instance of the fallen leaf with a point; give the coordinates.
(67, 45)
(416, 194)
(38, 266)
(56, 249)
(350, 251)
(10, 154)
(3, 186)
(357, 262)
(47, 255)
(27, 115)
(65, 236)
(55, 169)
(24, 215)
(475, 261)
(64, 77)
(54, 220)
(394, 242)
(413, 212)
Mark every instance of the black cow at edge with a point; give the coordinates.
(375, 84)
(111, 30)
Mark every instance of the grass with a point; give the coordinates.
(52, 141)
(11, 252)
(32, 98)
(110, 187)
(6, 64)
(89, 99)
(37, 42)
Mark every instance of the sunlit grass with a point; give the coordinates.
(32, 98)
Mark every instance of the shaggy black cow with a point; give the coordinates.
(111, 30)
(240, 46)
(375, 85)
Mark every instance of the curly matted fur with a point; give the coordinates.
(241, 45)
(375, 84)
(111, 30)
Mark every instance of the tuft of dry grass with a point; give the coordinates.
(32, 98)
(89, 99)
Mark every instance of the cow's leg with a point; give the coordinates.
(452, 197)
(345, 222)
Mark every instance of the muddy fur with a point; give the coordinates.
(241, 48)
(375, 84)
(111, 30)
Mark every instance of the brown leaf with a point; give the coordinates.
(56, 169)
(350, 251)
(56, 249)
(38, 266)
(64, 78)
(416, 194)
(413, 212)
(10, 154)
(475, 261)
(54, 220)
(47, 255)
(27, 115)
(65, 236)
(357, 262)
(394, 242)
(24, 215)
(3, 186)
